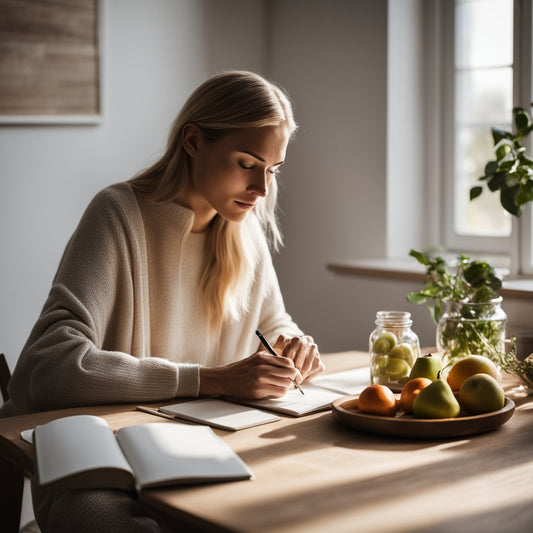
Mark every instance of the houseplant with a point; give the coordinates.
(464, 303)
(511, 173)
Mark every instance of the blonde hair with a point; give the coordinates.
(223, 103)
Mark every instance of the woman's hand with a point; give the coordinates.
(259, 376)
(303, 351)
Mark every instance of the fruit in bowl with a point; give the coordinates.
(377, 400)
(410, 391)
(437, 400)
(468, 366)
(481, 393)
(427, 366)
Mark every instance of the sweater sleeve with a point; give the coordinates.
(80, 350)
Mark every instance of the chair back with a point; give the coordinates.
(5, 376)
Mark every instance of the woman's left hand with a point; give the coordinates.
(304, 353)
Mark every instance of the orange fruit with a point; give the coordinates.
(377, 400)
(410, 392)
(468, 366)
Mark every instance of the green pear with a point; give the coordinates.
(436, 401)
(426, 366)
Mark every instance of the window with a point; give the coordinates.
(486, 71)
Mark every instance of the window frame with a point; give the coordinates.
(517, 247)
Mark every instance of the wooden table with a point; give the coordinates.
(314, 475)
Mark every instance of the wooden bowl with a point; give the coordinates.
(345, 412)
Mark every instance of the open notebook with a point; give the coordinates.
(318, 396)
(82, 451)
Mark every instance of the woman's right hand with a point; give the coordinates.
(259, 376)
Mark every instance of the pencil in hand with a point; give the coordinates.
(272, 351)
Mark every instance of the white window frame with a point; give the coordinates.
(523, 95)
(516, 247)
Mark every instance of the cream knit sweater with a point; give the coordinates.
(122, 322)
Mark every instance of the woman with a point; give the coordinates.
(167, 277)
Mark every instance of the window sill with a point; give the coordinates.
(392, 269)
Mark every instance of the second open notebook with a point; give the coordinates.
(231, 413)
(81, 451)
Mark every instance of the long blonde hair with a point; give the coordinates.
(225, 102)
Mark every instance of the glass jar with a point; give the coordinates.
(468, 328)
(393, 348)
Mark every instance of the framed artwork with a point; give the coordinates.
(50, 62)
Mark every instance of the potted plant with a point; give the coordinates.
(465, 304)
(511, 173)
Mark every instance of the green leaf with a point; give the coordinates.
(524, 195)
(420, 257)
(498, 135)
(477, 273)
(526, 131)
(507, 199)
(483, 294)
(525, 160)
(502, 151)
(521, 118)
(509, 165)
(491, 167)
(416, 298)
(497, 181)
(475, 192)
(495, 284)
(525, 173)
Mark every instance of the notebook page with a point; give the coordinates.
(165, 453)
(220, 414)
(346, 382)
(75, 444)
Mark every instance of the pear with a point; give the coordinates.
(436, 401)
(426, 366)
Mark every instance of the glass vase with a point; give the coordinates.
(468, 328)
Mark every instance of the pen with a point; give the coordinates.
(155, 412)
(271, 350)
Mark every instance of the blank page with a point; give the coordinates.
(75, 444)
(219, 414)
(166, 453)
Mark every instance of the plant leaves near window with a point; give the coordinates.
(511, 173)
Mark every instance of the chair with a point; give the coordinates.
(12, 475)
(5, 376)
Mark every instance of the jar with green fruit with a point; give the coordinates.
(394, 348)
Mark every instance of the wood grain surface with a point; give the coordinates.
(312, 474)
(49, 57)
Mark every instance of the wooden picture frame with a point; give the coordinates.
(50, 61)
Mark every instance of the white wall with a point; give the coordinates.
(333, 57)
(406, 137)
(341, 198)
(155, 53)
